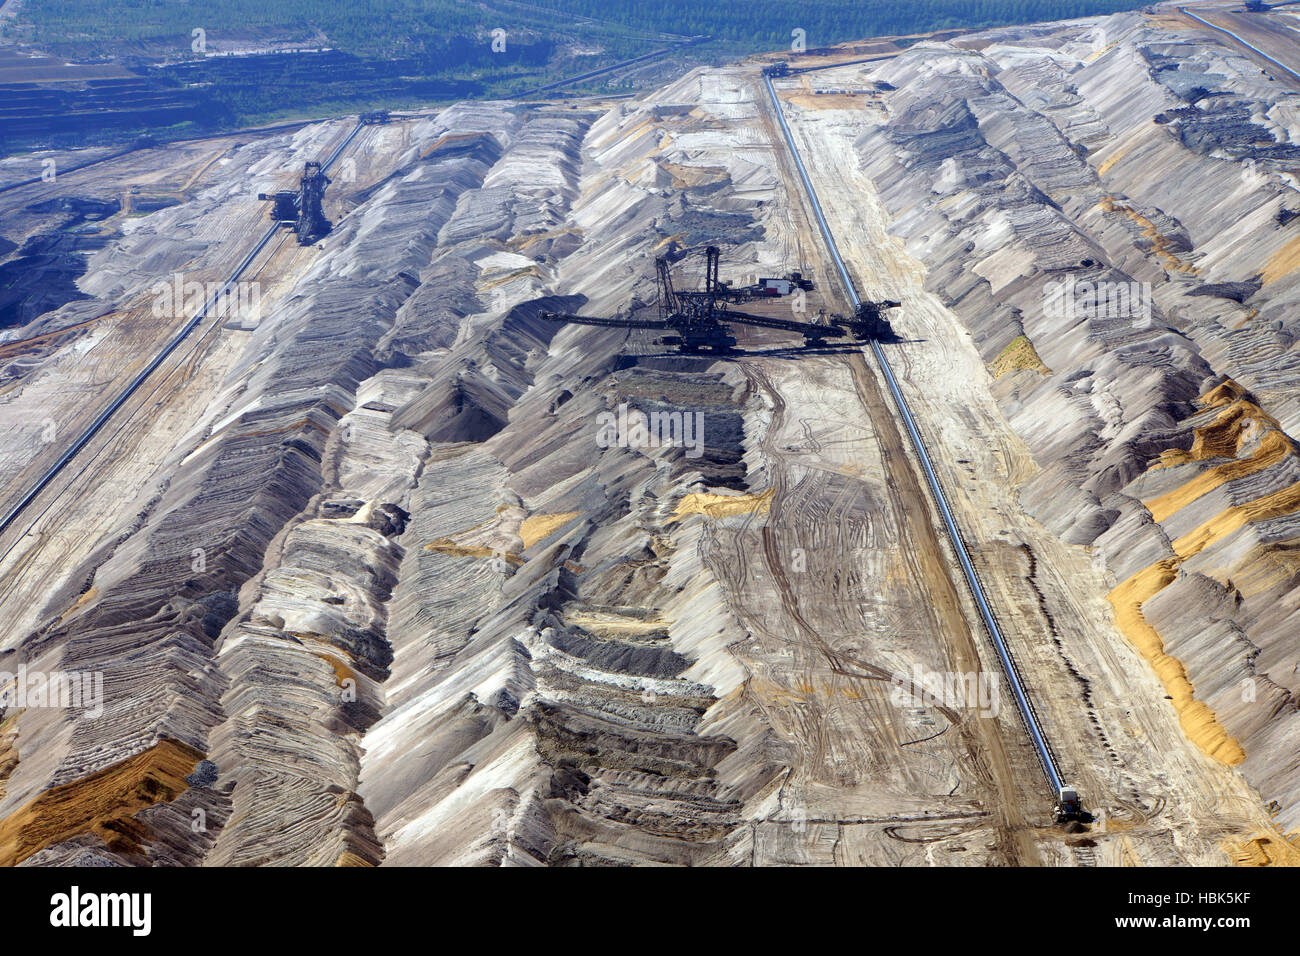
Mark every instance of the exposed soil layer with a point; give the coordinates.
(368, 581)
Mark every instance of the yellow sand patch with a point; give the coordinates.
(827, 101)
(341, 671)
(770, 691)
(540, 527)
(1098, 54)
(201, 170)
(1283, 262)
(19, 346)
(1266, 566)
(1172, 21)
(1272, 448)
(1225, 393)
(1238, 422)
(722, 506)
(451, 548)
(1198, 721)
(1266, 851)
(520, 243)
(1108, 163)
(348, 858)
(1160, 244)
(510, 521)
(1284, 502)
(686, 176)
(1019, 354)
(301, 423)
(81, 601)
(606, 623)
(104, 803)
(490, 284)
(90, 595)
(449, 139)
(1223, 437)
(703, 119)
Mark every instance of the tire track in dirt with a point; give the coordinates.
(809, 503)
(926, 556)
(929, 559)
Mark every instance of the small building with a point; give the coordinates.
(775, 286)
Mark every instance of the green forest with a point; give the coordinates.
(767, 24)
(419, 53)
(405, 27)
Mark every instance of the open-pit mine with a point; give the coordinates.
(882, 455)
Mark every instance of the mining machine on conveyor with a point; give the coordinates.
(697, 323)
(302, 209)
(691, 319)
(312, 223)
(869, 321)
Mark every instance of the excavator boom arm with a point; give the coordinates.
(786, 325)
(602, 322)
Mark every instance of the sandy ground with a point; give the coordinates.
(846, 591)
(1159, 800)
(843, 583)
(128, 463)
(1269, 35)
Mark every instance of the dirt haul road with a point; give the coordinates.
(1159, 801)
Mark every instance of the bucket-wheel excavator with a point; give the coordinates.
(697, 321)
(302, 210)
